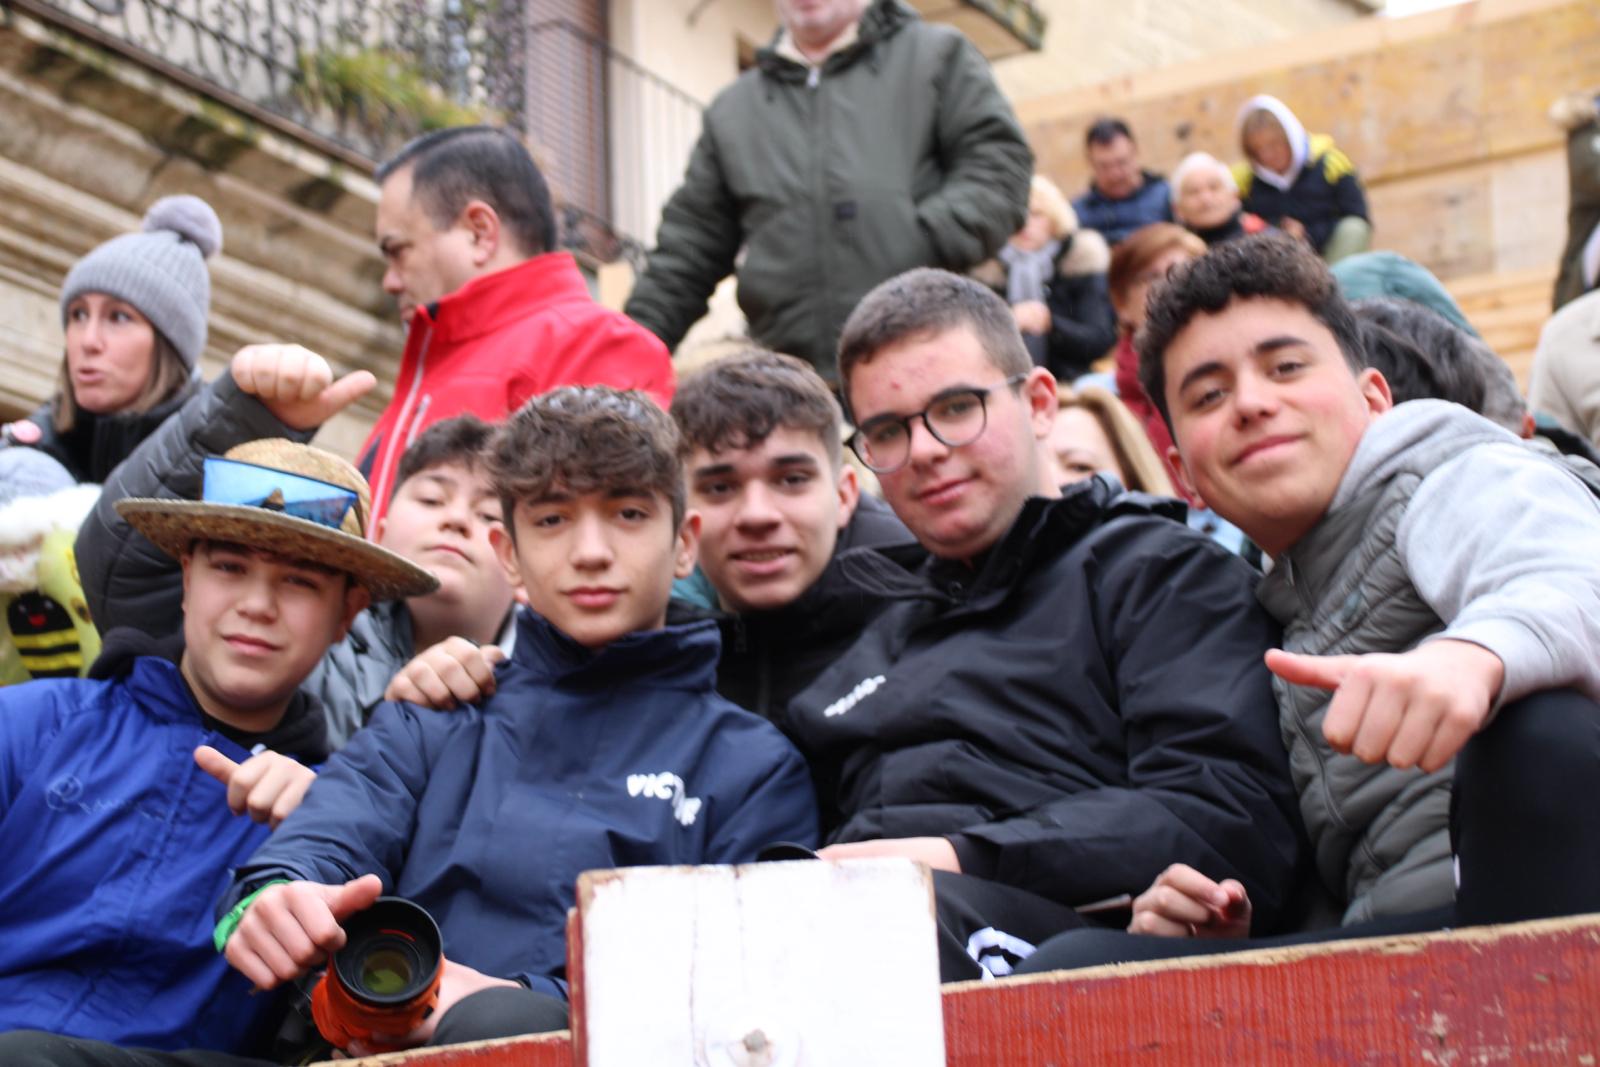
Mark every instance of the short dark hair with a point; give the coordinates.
(1104, 130)
(1267, 266)
(922, 303)
(451, 168)
(461, 439)
(586, 439)
(1422, 354)
(737, 401)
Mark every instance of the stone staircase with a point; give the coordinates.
(1508, 308)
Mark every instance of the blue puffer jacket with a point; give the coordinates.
(486, 816)
(113, 848)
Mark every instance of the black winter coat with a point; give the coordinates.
(1083, 708)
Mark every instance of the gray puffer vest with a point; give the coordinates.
(1380, 835)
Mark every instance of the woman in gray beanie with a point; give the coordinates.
(134, 311)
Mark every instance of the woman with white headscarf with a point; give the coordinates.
(1300, 182)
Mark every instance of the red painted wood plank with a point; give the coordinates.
(1526, 994)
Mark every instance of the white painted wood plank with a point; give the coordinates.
(804, 964)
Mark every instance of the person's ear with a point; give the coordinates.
(505, 550)
(356, 600)
(379, 530)
(481, 220)
(186, 563)
(1375, 391)
(1039, 392)
(1530, 425)
(849, 493)
(1185, 476)
(687, 552)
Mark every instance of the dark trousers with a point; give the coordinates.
(985, 928)
(1524, 823)
(489, 1013)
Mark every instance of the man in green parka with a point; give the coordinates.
(863, 143)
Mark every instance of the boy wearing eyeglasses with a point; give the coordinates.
(1067, 690)
(123, 795)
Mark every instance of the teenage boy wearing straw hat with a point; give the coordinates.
(113, 838)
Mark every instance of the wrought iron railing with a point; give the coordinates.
(363, 76)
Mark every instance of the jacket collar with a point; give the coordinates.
(1045, 529)
(681, 656)
(487, 304)
(158, 686)
(881, 20)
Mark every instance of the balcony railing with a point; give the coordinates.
(363, 76)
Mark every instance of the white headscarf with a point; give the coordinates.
(1299, 142)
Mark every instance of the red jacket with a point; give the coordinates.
(498, 340)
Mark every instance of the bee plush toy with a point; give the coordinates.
(45, 630)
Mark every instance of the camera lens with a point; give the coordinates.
(392, 953)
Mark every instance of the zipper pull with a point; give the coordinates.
(813, 76)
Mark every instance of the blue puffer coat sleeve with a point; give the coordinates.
(360, 814)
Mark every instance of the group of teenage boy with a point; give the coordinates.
(1064, 702)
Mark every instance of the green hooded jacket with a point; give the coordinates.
(898, 151)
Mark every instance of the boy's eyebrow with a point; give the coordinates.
(712, 470)
(1263, 347)
(795, 459)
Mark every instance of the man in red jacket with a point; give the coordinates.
(494, 312)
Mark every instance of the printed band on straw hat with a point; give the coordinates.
(285, 498)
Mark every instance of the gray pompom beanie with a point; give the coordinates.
(161, 271)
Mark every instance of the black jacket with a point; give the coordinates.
(98, 443)
(1081, 709)
(769, 656)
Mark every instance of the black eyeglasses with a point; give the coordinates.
(956, 417)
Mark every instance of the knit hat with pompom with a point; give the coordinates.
(161, 271)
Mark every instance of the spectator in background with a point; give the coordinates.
(1566, 368)
(863, 143)
(1138, 265)
(1372, 274)
(1579, 116)
(1299, 182)
(494, 311)
(1205, 198)
(1053, 274)
(134, 311)
(1094, 433)
(1122, 196)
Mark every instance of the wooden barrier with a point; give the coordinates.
(1522, 994)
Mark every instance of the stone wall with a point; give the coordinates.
(91, 138)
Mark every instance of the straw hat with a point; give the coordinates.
(174, 525)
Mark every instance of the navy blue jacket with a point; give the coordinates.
(1084, 707)
(580, 760)
(113, 848)
(1116, 219)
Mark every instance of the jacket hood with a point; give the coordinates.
(677, 656)
(132, 653)
(879, 21)
(1293, 129)
(1436, 423)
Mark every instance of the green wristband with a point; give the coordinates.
(230, 921)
